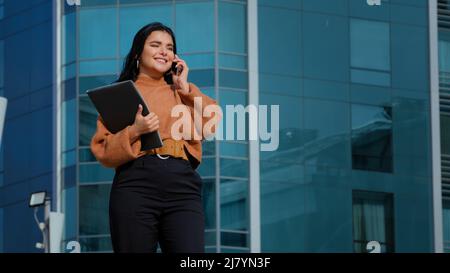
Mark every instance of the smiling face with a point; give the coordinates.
(157, 55)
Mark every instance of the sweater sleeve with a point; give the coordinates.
(113, 150)
(216, 113)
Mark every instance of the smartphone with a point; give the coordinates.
(174, 68)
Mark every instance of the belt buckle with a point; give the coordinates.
(161, 157)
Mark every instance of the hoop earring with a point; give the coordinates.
(137, 64)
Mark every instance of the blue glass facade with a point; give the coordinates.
(26, 80)
(92, 55)
(353, 88)
(352, 82)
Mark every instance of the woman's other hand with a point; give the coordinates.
(143, 125)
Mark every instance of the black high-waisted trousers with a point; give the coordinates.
(157, 200)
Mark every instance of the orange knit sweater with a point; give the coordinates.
(113, 150)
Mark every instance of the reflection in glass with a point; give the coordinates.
(132, 18)
(232, 27)
(195, 20)
(372, 138)
(96, 244)
(88, 120)
(209, 202)
(234, 204)
(373, 220)
(94, 200)
(370, 44)
(68, 123)
(446, 221)
(98, 40)
(89, 173)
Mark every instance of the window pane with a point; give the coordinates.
(88, 120)
(94, 202)
(273, 24)
(233, 239)
(69, 90)
(373, 219)
(410, 64)
(98, 33)
(70, 176)
(370, 77)
(199, 61)
(232, 97)
(87, 83)
(208, 148)
(228, 148)
(69, 158)
(195, 26)
(135, 17)
(234, 204)
(209, 202)
(326, 132)
(204, 77)
(444, 56)
(70, 212)
(446, 222)
(68, 124)
(69, 71)
(325, 51)
(234, 167)
(210, 238)
(232, 61)
(233, 79)
(69, 38)
(370, 44)
(232, 27)
(445, 134)
(98, 67)
(85, 155)
(372, 138)
(89, 173)
(278, 84)
(208, 167)
(326, 90)
(97, 244)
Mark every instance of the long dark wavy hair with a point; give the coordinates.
(130, 70)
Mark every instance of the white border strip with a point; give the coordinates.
(253, 98)
(435, 127)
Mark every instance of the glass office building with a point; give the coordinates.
(355, 161)
(27, 151)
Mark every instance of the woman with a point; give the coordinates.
(156, 194)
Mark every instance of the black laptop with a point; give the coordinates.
(117, 104)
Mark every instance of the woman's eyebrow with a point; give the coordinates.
(158, 42)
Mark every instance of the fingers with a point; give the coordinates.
(151, 122)
(150, 116)
(180, 62)
(139, 111)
